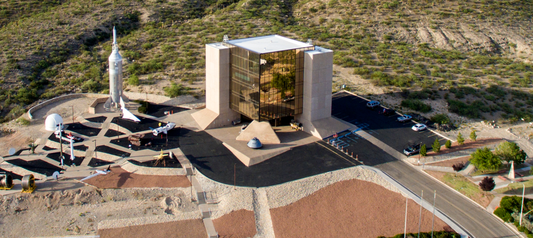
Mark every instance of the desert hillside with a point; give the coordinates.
(469, 58)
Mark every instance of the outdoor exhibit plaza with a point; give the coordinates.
(269, 78)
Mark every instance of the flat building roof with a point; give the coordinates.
(268, 44)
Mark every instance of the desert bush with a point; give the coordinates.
(175, 90)
(144, 106)
(473, 135)
(133, 80)
(440, 118)
(416, 105)
(448, 144)
(460, 139)
(23, 121)
(487, 184)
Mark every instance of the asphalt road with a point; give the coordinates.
(473, 218)
(397, 135)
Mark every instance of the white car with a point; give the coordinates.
(404, 118)
(372, 104)
(419, 127)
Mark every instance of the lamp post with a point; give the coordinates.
(95, 154)
(405, 224)
(420, 214)
(433, 220)
(61, 143)
(522, 208)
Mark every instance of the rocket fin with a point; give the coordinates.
(107, 103)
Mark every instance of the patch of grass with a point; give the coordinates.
(516, 188)
(464, 186)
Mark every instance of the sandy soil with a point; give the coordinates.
(119, 178)
(236, 224)
(194, 228)
(450, 163)
(349, 209)
(78, 211)
(482, 199)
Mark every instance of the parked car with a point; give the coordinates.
(411, 150)
(404, 118)
(372, 104)
(419, 127)
(387, 112)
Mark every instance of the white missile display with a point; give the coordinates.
(115, 76)
(163, 129)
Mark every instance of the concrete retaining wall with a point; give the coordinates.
(160, 99)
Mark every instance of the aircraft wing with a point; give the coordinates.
(126, 114)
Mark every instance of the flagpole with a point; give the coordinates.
(405, 226)
(420, 215)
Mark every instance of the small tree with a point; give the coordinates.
(510, 151)
(460, 139)
(484, 160)
(436, 145)
(458, 167)
(448, 144)
(473, 135)
(487, 184)
(423, 150)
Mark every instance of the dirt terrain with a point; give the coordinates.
(119, 178)
(360, 204)
(78, 211)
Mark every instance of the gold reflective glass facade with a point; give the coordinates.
(266, 86)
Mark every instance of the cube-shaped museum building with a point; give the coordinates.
(269, 78)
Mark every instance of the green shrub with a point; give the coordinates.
(423, 150)
(485, 160)
(473, 135)
(436, 145)
(460, 139)
(503, 214)
(144, 106)
(133, 80)
(440, 119)
(175, 90)
(147, 46)
(416, 105)
(23, 121)
(448, 144)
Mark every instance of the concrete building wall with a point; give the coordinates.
(318, 71)
(316, 116)
(217, 84)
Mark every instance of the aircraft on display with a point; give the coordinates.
(163, 129)
(98, 172)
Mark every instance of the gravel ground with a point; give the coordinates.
(78, 211)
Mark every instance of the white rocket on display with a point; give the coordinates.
(115, 76)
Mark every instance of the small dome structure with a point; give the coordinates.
(52, 122)
(254, 143)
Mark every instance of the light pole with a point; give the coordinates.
(420, 215)
(61, 143)
(522, 208)
(405, 224)
(433, 220)
(95, 154)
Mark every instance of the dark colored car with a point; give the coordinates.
(387, 112)
(411, 150)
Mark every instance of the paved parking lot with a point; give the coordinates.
(397, 135)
